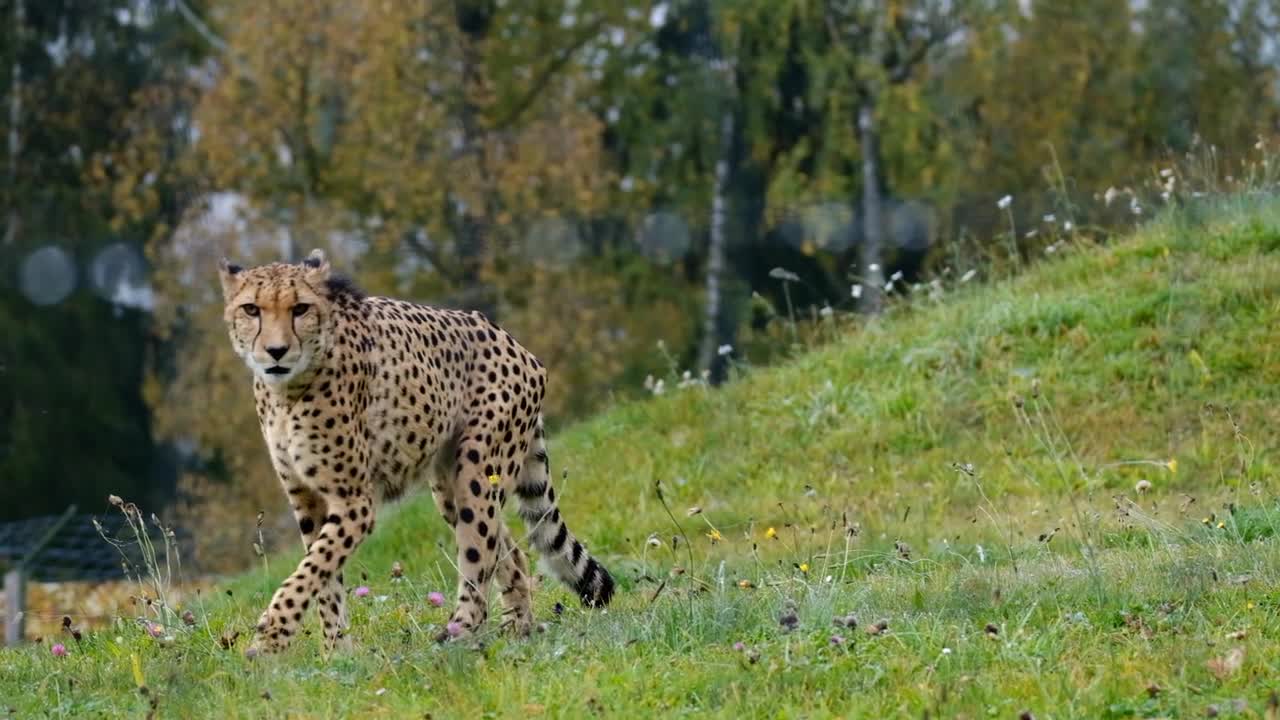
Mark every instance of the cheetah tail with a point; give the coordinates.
(568, 560)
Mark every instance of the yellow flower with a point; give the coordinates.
(771, 533)
(494, 479)
(715, 536)
(1249, 605)
(1172, 465)
(745, 584)
(1221, 525)
(804, 567)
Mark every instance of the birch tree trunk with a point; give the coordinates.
(15, 120)
(716, 245)
(872, 209)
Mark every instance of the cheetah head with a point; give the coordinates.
(279, 316)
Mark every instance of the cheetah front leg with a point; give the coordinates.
(318, 577)
(310, 510)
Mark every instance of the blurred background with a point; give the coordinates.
(645, 193)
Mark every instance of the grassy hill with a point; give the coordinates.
(1053, 495)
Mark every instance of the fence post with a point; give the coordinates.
(15, 602)
(15, 583)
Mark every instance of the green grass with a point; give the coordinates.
(964, 471)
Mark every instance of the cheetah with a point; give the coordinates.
(361, 398)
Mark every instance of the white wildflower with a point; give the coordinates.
(896, 276)
(856, 291)
(1068, 226)
(724, 350)
(826, 311)
(658, 15)
(1167, 172)
(784, 275)
(1005, 202)
(968, 276)
(1050, 218)
(1110, 195)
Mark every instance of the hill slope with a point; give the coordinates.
(1058, 492)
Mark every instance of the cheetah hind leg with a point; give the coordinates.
(515, 584)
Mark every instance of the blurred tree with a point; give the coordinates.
(73, 426)
(1059, 102)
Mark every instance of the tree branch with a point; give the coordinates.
(548, 72)
(200, 27)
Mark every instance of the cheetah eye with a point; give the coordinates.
(300, 309)
(250, 309)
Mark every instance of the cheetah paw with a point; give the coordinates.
(519, 626)
(454, 630)
(269, 639)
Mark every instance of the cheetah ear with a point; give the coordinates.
(229, 274)
(317, 267)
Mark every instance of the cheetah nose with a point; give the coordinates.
(278, 351)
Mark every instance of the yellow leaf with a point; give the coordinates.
(137, 670)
